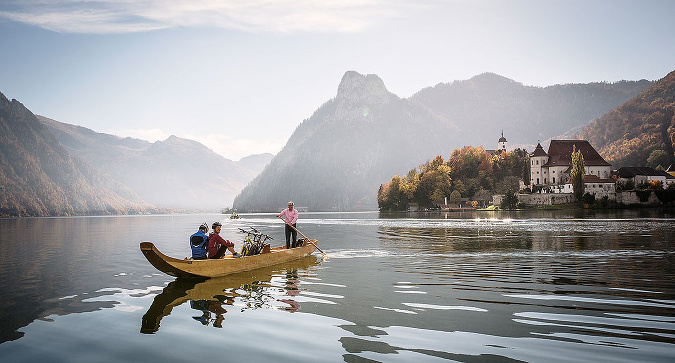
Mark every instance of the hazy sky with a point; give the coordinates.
(241, 75)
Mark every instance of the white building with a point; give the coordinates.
(592, 185)
(641, 175)
(553, 168)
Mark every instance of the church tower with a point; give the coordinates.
(501, 145)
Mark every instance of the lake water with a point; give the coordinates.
(467, 287)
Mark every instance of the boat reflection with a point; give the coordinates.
(260, 288)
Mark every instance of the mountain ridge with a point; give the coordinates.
(365, 134)
(173, 173)
(39, 177)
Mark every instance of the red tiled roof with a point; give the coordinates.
(590, 178)
(595, 179)
(560, 153)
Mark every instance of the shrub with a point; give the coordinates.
(588, 198)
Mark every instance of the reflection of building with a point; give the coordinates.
(553, 168)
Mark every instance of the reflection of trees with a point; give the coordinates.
(251, 290)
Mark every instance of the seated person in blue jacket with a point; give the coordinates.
(199, 243)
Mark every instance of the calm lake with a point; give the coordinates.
(468, 287)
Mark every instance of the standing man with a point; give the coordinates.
(290, 215)
(217, 245)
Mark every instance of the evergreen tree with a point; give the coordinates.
(577, 173)
(455, 197)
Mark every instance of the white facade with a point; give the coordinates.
(538, 174)
(554, 169)
(594, 188)
(602, 172)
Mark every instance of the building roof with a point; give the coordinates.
(538, 151)
(595, 179)
(560, 153)
(590, 178)
(629, 172)
(671, 168)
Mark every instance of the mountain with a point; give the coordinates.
(38, 177)
(256, 163)
(174, 173)
(485, 104)
(338, 158)
(645, 124)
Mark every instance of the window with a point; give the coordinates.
(554, 179)
(537, 162)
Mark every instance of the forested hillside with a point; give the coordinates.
(641, 131)
(38, 177)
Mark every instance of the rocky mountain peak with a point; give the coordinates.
(355, 87)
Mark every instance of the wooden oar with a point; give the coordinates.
(303, 236)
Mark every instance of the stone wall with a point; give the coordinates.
(546, 198)
(626, 198)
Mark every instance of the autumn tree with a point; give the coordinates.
(469, 171)
(390, 195)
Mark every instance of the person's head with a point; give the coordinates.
(204, 227)
(216, 227)
(290, 205)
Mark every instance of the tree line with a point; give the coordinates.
(471, 173)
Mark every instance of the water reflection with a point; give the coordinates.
(271, 288)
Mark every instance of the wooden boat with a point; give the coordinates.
(221, 290)
(224, 266)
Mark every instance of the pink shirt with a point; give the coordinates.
(291, 215)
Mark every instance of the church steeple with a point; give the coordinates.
(501, 145)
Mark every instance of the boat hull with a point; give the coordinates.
(225, 266)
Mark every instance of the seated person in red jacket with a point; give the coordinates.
(217, 245)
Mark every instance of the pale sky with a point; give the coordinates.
(241, 75)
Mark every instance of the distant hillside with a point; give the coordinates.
(628, 135)
(338, 158)
(174, 173)
(38, 177)
(486, 104)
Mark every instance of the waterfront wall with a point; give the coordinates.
(627, 198)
